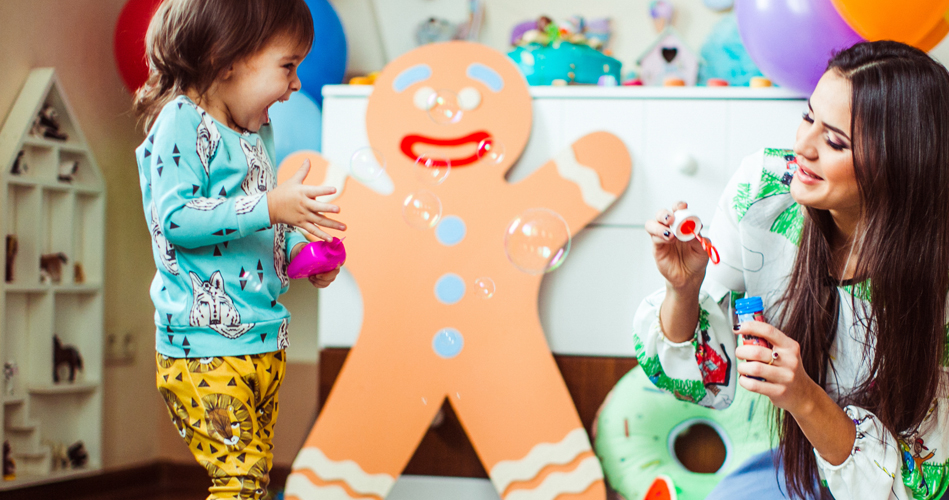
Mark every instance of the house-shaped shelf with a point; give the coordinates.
(52, 201)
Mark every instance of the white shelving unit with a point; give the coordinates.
(47, 216)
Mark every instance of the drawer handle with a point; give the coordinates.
(685, 163)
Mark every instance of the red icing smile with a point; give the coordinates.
(409, 142)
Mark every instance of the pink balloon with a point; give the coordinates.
(792, 40)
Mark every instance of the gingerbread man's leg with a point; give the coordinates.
(367, 432)
(515, 385)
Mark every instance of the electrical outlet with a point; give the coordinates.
(119, 348)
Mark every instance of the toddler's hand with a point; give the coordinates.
(295, 203)
(324, 280)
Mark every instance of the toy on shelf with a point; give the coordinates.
(67, 357)
(317, 257)
(574, 51)
(67, 170)
(19, 165)
(51, 267)
(436, 29)
(10, 370)
(662, 14)
(364, 80)
(78, 273)
(12, 248)
(9, 466)
(47, 125)
(760, 82)
(59, 457)
(724, 56)
(78, 457)
(668, 57)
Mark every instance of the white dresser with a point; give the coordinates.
(587, 305)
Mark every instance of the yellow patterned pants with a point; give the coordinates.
(225, 409)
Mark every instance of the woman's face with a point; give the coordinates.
(825, 178)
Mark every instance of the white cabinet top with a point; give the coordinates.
(595, 92)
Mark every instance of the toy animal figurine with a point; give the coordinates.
(68, 356)
(78, 273)
(51, 267)
(47, 125)
(10, 370)
(19, 166)
(78, 456)
(12, 248)
(9, 466)
(67, 170)
(59, 455)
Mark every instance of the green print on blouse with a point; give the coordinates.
(859, 290)
(926, 481)
(686, 390)
(791, 221)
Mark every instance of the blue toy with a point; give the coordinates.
(548, 53)
(297, 125)
(326, 63)
(725, 56)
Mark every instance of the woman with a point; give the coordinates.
(851, 257)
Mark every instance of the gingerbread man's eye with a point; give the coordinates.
(424, 98)
(469, 98)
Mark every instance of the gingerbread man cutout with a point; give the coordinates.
(495, 367)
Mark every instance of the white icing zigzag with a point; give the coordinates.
(559, 483)
(585, 178)
(346, 470)
(506, 472)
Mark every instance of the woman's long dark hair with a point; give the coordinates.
(190, 43)
(900, 129)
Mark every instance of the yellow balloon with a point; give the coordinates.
(920, 23)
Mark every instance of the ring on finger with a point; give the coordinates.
(774, 356)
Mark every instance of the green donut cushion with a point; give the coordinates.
(653, 419)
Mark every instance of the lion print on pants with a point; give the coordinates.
(225, 408)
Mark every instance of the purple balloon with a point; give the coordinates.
(792, 40)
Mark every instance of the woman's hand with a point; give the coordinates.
(785, 381)
(682, 263)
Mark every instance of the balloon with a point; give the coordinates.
(297, 125)
(326, 63)
(792, 40)
(129, 41)
(914, 22)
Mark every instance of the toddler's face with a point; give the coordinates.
(257, 82)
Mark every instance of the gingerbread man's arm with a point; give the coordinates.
(581, 181)
(325, 173)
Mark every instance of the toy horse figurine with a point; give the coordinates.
(65, 355)
(9, 466)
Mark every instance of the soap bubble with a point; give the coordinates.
(491, 151)
(537, 241)
(430, 170)
(444, 108)
(422, 210)
(367, 164)
(484, 287)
